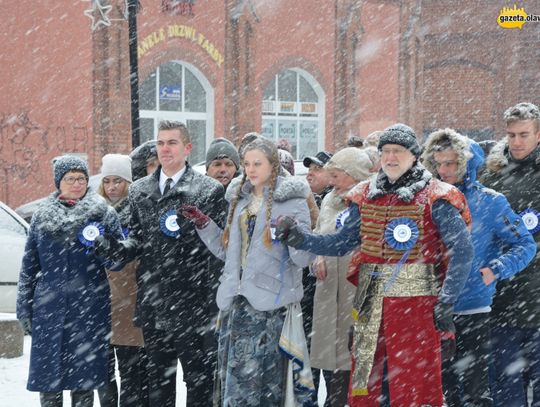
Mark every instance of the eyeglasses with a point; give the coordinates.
(71, 180)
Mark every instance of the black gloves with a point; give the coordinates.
(443, 316)
(448, 348)
(106, 246)
(287, 231)
(26, 324)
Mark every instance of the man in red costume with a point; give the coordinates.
(412, 256)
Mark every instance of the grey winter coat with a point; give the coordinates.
(517, 301)
(272, 278)
(176, 276)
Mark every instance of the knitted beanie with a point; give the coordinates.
(65, 164)
(353, 161)
(402, 135)
(116, 165)
(222, 148)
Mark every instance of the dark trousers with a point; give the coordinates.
(308, 282)
(134, 386)
(465, 376)
(163, 350)
(337, 387)
(515, 350)
(83, 398)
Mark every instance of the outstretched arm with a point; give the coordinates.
(334, 244)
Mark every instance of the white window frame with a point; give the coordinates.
(320, 111)
(208, 116)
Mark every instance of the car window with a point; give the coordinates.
(10, 224)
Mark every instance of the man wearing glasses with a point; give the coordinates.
(409, 236)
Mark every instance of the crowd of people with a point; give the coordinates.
(403, 274)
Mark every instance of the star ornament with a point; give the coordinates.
(99, 14)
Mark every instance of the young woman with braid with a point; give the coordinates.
(261, 277)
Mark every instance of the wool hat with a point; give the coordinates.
(353, 161)
(65, 164)
(402, 135)
(319, 160)
(116, 165)
(222, 148)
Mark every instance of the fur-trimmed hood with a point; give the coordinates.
(286, 188)
(499, 157)
(470, 154)
(58, 220)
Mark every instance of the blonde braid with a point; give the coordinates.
(267, 235)
(234, 203)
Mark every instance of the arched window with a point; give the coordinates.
(293, 109)
(178, 91)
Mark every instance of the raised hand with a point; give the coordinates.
(194, 215)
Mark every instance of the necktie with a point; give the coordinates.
(167, 185)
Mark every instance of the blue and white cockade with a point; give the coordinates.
(341, 218)
(168, 223)
(89, 232)
(531, 219)
(400, 234)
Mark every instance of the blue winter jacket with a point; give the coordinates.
(501, 240)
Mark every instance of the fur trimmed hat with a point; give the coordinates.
(353, 161)
(222, 148)
(117, 165)
(66, 163)
(402, 135)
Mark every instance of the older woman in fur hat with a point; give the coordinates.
(334, 294)
(63, 295)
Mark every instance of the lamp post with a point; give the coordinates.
(132, 8)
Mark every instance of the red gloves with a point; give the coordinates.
(194, 215)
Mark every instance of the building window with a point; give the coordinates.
(293, 109)
(178, 91)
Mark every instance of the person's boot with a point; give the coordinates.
(50, 399)
(84, 398)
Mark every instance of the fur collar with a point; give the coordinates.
(413, 182)
(499, 157)
(286, 188)
(58, 220)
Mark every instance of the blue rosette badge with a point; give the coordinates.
(400, 234)
(89, 232)
(168, 223)
(341, 218)
(531, 219)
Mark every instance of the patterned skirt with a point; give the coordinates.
(251, 368)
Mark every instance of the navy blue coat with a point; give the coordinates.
(65, 293)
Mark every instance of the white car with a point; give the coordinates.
(13, 233)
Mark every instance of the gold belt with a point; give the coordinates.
(376, 281)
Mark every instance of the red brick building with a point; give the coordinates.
(311, 71)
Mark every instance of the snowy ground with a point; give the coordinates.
(13, 375)
(14, 372)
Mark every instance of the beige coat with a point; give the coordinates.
(333, 300)
(123, 299)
